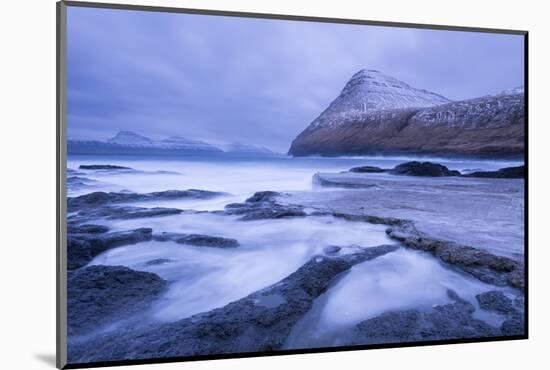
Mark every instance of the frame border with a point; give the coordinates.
(61, 169)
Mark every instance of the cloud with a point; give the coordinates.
(225, 79)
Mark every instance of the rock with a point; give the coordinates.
(390, 327)
(443, 322)
(263, 196)
(122, 213)
(514, 325)
(82, 248)
(321, 180)
(261, 321)
(496, 301)
(100, 295)
(263, 205)
(100, 198)
(332, 250)
(158, 261)
(416, 168)
(197, 240)
(503, 173)
(367, 169)
(487, 267)
(102, 167)
(86, 229)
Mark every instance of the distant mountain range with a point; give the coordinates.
(128, 142)
(378, 114)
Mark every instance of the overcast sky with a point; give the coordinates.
(257, 81)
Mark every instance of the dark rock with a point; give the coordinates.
(99, 295)
(158, 261)
(100, 198)
(514, 325)
(261, 321)
(503, 173)
(102, 167)
(487, 267)
(263, 205)
(197, 240)
(86, 229)
(318, 179)
(367, 169)
(332, 249)
(430, 169)
(82, 248)
(496, 301)
(263, 196)
(390, 327)
(123, 213)
(449, 321)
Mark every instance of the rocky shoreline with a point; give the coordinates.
(103, 298)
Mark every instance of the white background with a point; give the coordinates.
(27, 206)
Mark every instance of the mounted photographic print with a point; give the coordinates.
(235, 184)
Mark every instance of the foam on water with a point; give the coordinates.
(204, 278)
(401, 280)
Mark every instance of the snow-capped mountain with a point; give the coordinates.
(183, 143)
(242, 148)
(514, 91)
(370, 90)
(128, 142)
(376, 114)
(130, 138)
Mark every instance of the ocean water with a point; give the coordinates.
(205, 278)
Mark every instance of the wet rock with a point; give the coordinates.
(416, 168)
(367, 169)
(487, 267)
(82, 248)
(496, 301)
(79, 182)
(102, 167)
(514, 325)
(503, 173)
(332, 249)
(449, 321)
(99, 295)
(197, 240)
(122, 213)
(158, 261)
(263, 196)
(86, 229)
(390, 327)
(318, 179)
(100, 198)
(264, 205)
(259, 322)
(391, 221)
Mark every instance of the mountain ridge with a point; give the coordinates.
(491, 126)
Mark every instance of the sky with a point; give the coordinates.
(254, 81)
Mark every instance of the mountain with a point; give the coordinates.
(130, 138)
(377, 114)
(183, 143)
(370, 90)
(131, 143)
(240, 148)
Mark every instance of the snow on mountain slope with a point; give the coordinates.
(130, 138)
(370, 90)
(238, 147)
(377, 114)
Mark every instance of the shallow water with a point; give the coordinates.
(205, 278)
(398, 281)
